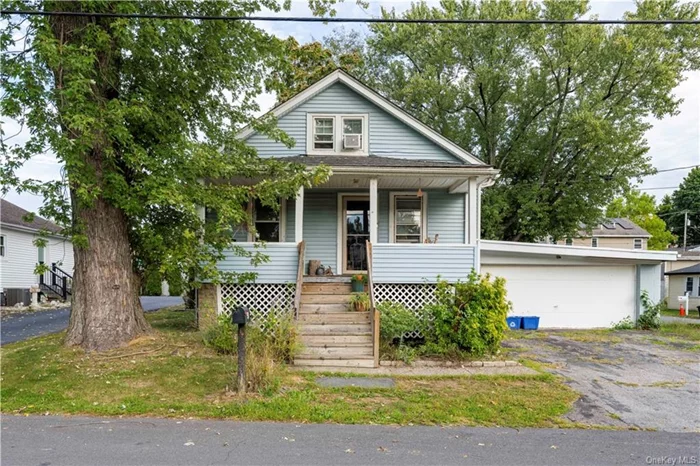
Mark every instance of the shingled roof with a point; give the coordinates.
(372, 161)
(692, 270)
(616, 226)
(12, 215)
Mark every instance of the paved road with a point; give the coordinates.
(19, 327)
(74, 441)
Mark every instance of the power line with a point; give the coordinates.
(677, 168)
(306, 19)
(660, 187)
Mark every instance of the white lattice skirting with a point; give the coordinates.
(413, 296)
(261, 298)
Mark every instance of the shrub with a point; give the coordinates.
(395, 321)
(625, 324)
(469, 316)
(651, 317)
(359, 302)
(268, 344)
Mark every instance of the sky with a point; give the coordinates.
(674, 141)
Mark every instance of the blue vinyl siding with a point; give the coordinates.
(421, 263)
(321, 227)
(387, 136)
(282, 267)
(446, 216)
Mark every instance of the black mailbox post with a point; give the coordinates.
(240, 316)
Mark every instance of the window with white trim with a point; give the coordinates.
(689, 286)
(324, 133)
(267, 223)
(638, 243)
(2, 245)
(341, 134)
(594, 242)
(408, 218)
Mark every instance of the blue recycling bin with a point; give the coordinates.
(531, 323)
(514, 323)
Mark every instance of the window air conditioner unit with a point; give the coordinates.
(352, 141)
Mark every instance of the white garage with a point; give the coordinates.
(574, 287)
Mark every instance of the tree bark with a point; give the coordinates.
(106, 312)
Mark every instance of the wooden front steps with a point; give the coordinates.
(332, 335)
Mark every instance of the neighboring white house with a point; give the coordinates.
(19, 255)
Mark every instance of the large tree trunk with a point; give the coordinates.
(106, 311)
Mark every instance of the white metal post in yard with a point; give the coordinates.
(685, 230)
(373, 223)
(299, 217)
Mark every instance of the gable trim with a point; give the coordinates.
(378, 100)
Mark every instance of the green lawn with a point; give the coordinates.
(693, 314)
(170, 373)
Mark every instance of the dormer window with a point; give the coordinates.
(341, 134)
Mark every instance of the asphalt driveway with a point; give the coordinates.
(626, 379)
(18, 327)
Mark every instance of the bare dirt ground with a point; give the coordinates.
(626, 379)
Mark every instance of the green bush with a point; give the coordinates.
(651, 317)
(395, 321)
(269, 344)
(469, 316)
(625, 324)
(151, 284)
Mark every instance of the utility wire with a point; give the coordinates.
(677, 168)
(307, 19)
(660, 187)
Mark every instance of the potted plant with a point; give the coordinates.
(358, 282)
(360, 301)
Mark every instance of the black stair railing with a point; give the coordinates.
(57, 281)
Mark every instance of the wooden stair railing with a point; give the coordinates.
(372, 307)
(300, 279)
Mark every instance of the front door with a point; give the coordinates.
(355, 233)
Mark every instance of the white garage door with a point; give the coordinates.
(569, 297)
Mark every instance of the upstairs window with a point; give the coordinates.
(337, 134)
(2, 245)
(638, 243)
(594, 242)
(324, 134)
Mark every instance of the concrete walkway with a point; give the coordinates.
(18, 327)
(78, 441)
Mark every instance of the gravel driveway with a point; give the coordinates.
(626, 379)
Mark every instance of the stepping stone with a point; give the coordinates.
(364, 382)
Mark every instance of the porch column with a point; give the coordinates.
(299, 216)
(473, 199)
(373, 211)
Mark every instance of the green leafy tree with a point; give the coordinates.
(685, 199)
(143, 114)
(561, 110)
(304, 64)
(641, 209)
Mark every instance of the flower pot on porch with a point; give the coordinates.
(357, 287)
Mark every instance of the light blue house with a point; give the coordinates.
(403, 206)
(396, 185)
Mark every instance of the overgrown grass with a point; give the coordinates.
(170, 373)
(688, 332)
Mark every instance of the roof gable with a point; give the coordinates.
(376, 100)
